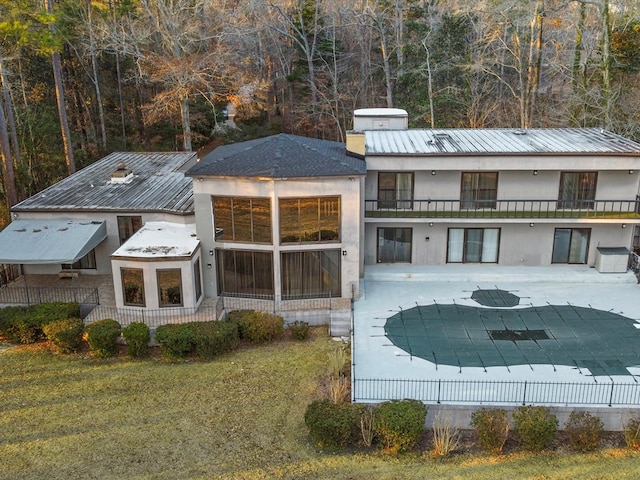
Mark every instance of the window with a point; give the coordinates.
(169, 287)
(570, 245)
(394, 245)
(133, 286)
(311, 274)
(473, 245)
(127, 226)
(577, 190)
(395, 190)
(479, 190)
(88, 262)
(312, 219)
(244, 273)
(242, 219)
(197, 279)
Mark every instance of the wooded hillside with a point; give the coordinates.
(83, 78)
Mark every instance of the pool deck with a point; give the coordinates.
(388, 289)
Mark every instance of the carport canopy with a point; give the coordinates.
(50, 241)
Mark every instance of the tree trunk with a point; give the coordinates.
(7, 162)
(62, 108)
(186, 124)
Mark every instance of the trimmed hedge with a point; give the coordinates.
(257, 327)
(177, 340)
(535, 427)
(583, 431)
(24, 324)
(137, 336)
(333, 425)
(65, 335)
(102, 337)
(491, 426)
(400, 424)
(206, 339)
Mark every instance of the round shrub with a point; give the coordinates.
(331, 425)
(584, 431)
(102, 337)
(214, 338)
(176, 340)
(257, 327)
(65, 335)
(535, 427)
(400, 424)
(299, 330)
(491, 426)
(137, 336)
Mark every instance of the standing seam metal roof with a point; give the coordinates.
(157, 185)
(497, 141)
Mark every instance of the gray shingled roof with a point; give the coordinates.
(280, 156)
(468, 141)
(157, 185)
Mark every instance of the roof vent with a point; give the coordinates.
(122, 174)
(519, 132)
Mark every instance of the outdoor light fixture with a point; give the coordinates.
(624, 225)
(531, 224)
(211, 252)
(344, 253)
(433, 172)
(535, 172)
(431, 224)
(630, 172)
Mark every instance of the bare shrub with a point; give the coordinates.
(339, 389)
(367, 425)
(446, 437)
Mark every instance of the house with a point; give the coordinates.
(290, 224)
(80, 226)
(510, 197)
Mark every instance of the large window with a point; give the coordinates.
(169, 287)
(395, 190)
(244, 273)
(394, 245)
(570, 245)
(242, 219)
(311, 274)
(127, 226)
(577, 190)
(88, 262)
(312, 219)
(133, 286)
(479, 190)
(473, 245)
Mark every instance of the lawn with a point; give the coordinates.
(237, 417)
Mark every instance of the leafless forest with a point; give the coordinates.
(82, 78)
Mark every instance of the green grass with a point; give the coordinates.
(237, 417)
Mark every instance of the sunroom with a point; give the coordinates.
(159, 268)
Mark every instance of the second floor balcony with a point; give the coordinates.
(504, 209)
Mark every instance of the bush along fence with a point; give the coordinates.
(610, 393)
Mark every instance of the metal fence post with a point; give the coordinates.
(611, 394)
(524, 394)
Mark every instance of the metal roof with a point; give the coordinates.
(468, 141)
(157, 183)
(280, 156)
(49, 241)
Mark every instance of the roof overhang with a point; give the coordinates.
(49, 241)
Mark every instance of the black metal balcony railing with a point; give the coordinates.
(599, 209)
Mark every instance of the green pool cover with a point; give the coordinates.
(464, 336)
